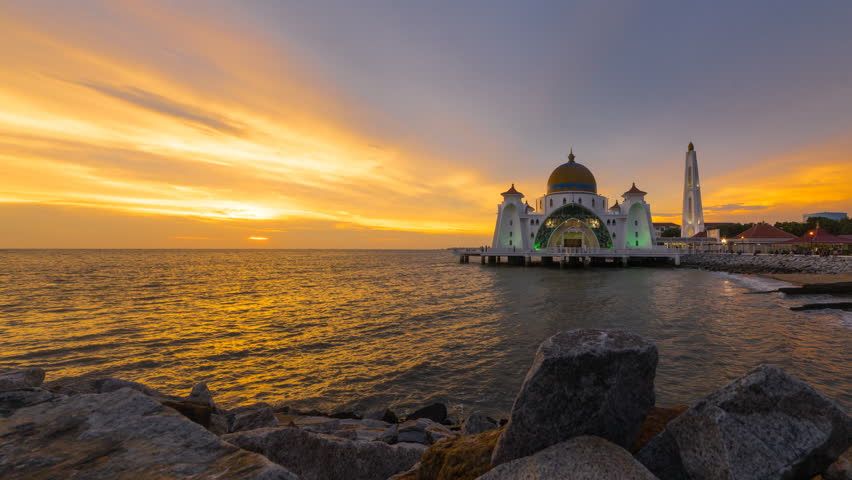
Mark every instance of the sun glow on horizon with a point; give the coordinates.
(193, 130)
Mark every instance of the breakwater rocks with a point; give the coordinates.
(769, 263)
(585, 411)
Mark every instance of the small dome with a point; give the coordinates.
(571, 177)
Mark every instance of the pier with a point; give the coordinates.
(570, 257)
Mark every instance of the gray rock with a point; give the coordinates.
(423, 431)
(121, 434)
(317, 456)
(250, 417)
(383, 414)
(15, 399)
(581, 458)
(477, 423)
(94, 384)
(767, 424)
(390, 435)
(437, 412)
(841, 469)
(581, 382)
(21, 378)
(201, 394)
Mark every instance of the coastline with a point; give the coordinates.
(809, 278)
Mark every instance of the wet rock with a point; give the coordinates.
(581, 458)
(201, 394)
(21, 378)
(477, 423)
(250, 417)
(316, 456)
(121, 434)
(841, 469)
(766, 424)
(423, 431)
(459, 458)
(220, 423)
(385, 415)
(437, 412)
(15, 399)
(581, 382)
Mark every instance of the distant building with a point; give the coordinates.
(661, 227)
(828, 215)
(717, 225)
(572, 214)
(693, 213)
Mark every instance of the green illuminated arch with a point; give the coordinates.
(572, 211)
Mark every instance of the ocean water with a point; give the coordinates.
(368, 329)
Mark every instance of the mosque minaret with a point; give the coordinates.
(692, 221)
(572, 215)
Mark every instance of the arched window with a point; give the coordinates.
(532, 235)
(635, 234)
(580, 201)
(636, 222)
(551, 202)
(593, 202)
(510, 223)
(510, 233)
(637, 243)
(510, 243)
(613, 234)
(563, 200)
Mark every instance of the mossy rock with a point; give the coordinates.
(459, 458)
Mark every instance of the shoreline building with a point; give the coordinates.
(572, 215)
(693, 214)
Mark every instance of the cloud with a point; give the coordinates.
(160, 104)
(734, 207)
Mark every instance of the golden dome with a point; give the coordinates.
(571, 177)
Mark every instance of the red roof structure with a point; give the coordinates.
(633, 189)
(765, 231)
(615, 207)
(821, 236)
(512, 191)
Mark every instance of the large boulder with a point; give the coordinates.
(21, 378)
(15, 399)
(121, 434)
(581, 382)
(581, 458)
(200, 393)
(766, 424)
(317, 456)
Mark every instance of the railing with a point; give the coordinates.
(569, 251)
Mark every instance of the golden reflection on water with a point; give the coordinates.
(362, 329)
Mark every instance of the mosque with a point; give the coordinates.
(572, 214)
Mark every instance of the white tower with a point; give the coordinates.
(693, 215)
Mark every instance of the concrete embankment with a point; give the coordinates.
(769, 263)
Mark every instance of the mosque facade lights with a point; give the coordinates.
(572, 215)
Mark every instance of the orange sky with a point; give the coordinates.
(168, 128)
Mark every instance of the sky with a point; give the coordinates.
(396, 124)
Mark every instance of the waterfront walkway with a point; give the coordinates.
(570, 256)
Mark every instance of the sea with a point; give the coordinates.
(364, 329)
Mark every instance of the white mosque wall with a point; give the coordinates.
(639, 231)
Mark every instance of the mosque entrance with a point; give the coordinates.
(572, 240)
(573, 233)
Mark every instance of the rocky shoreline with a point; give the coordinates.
(586, 410)
(758, 264)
